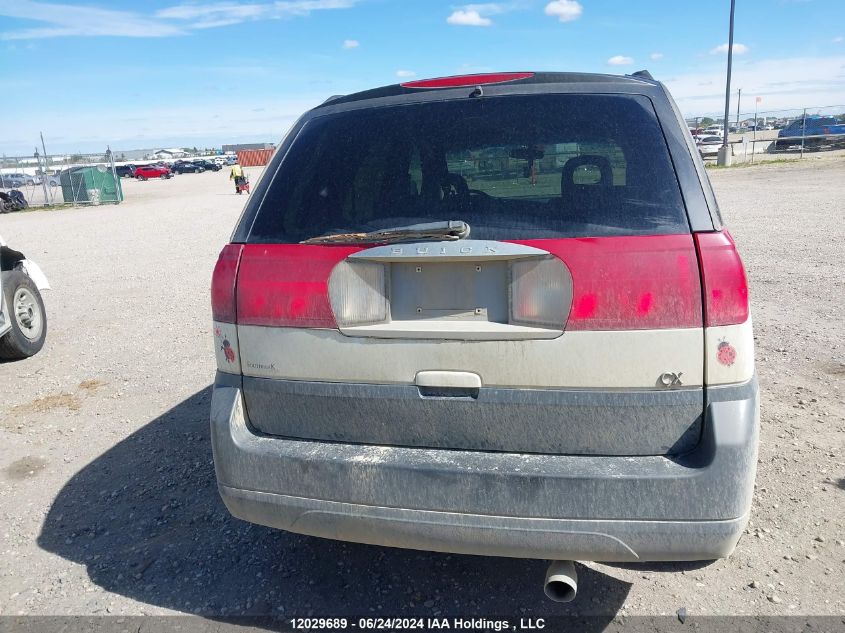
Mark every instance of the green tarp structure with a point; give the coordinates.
(92, 185)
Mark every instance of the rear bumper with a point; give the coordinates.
(645, 508)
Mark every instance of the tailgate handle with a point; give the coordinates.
(454, 379)
(454, 384)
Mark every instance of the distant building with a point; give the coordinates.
(233, 149)
(173, 152)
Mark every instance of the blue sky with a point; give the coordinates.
(171, 73)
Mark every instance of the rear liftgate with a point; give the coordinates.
(461, 344)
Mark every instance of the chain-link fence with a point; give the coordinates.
(46, 180)
(773, 134)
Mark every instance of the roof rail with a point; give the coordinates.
(332, 98)
(642, 74)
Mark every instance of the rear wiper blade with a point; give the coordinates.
(449, 230)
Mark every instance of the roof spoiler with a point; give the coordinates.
(642, 74)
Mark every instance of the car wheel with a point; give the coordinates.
(200, 170)
(30, 182)
(163, 176)
(27, 315)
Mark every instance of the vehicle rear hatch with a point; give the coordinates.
(568, 321)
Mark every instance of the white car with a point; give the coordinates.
(708, 146)
(714, 131)
(23, 320)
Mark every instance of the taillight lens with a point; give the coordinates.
(641, 282)
(358, 293)
(286, 285)
(223, 284)
(540, 292)
(725, 284)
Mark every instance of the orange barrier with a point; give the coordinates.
(254, 157)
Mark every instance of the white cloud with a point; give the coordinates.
(565, 10)
(620, 60)
(838, 39)
(722, 49)
(405, 74)
(213, 14)
(213, 11)
(464, 17)
(62, 20)
(351, 43)
(656, 56)
(479, 14)
(795, 82)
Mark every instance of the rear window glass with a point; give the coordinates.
(517, 167)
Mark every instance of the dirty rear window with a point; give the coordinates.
(515, 167)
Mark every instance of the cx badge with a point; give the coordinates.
(671, 379)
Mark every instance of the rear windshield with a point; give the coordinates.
(515, 167)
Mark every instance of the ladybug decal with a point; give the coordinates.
(228, 351)
(726, 353)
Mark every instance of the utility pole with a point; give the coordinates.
(738, 99)
(754, 136)
(724, 157)
(47, 198)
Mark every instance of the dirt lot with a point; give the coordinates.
(107, 496)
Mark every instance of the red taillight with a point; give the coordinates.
(725, 284)
(286, 285)
(630, 283)
(460, 81)
(223, 284)
(618, 283)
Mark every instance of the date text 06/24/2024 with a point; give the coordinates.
(419, 624)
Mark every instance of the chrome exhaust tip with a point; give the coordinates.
(561, 583)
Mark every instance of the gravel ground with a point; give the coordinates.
(108, 501)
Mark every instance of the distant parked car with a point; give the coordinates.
(125, 171)
(713, 130)
(183, 167)
(820, 131)
(8, 181)
(145, 172)
(709, 145)
(54, 179)
(207, 164)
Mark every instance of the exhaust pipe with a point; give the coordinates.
(561, 581)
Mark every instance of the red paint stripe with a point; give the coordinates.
(460, 81)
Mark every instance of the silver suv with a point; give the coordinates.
(495, 314)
